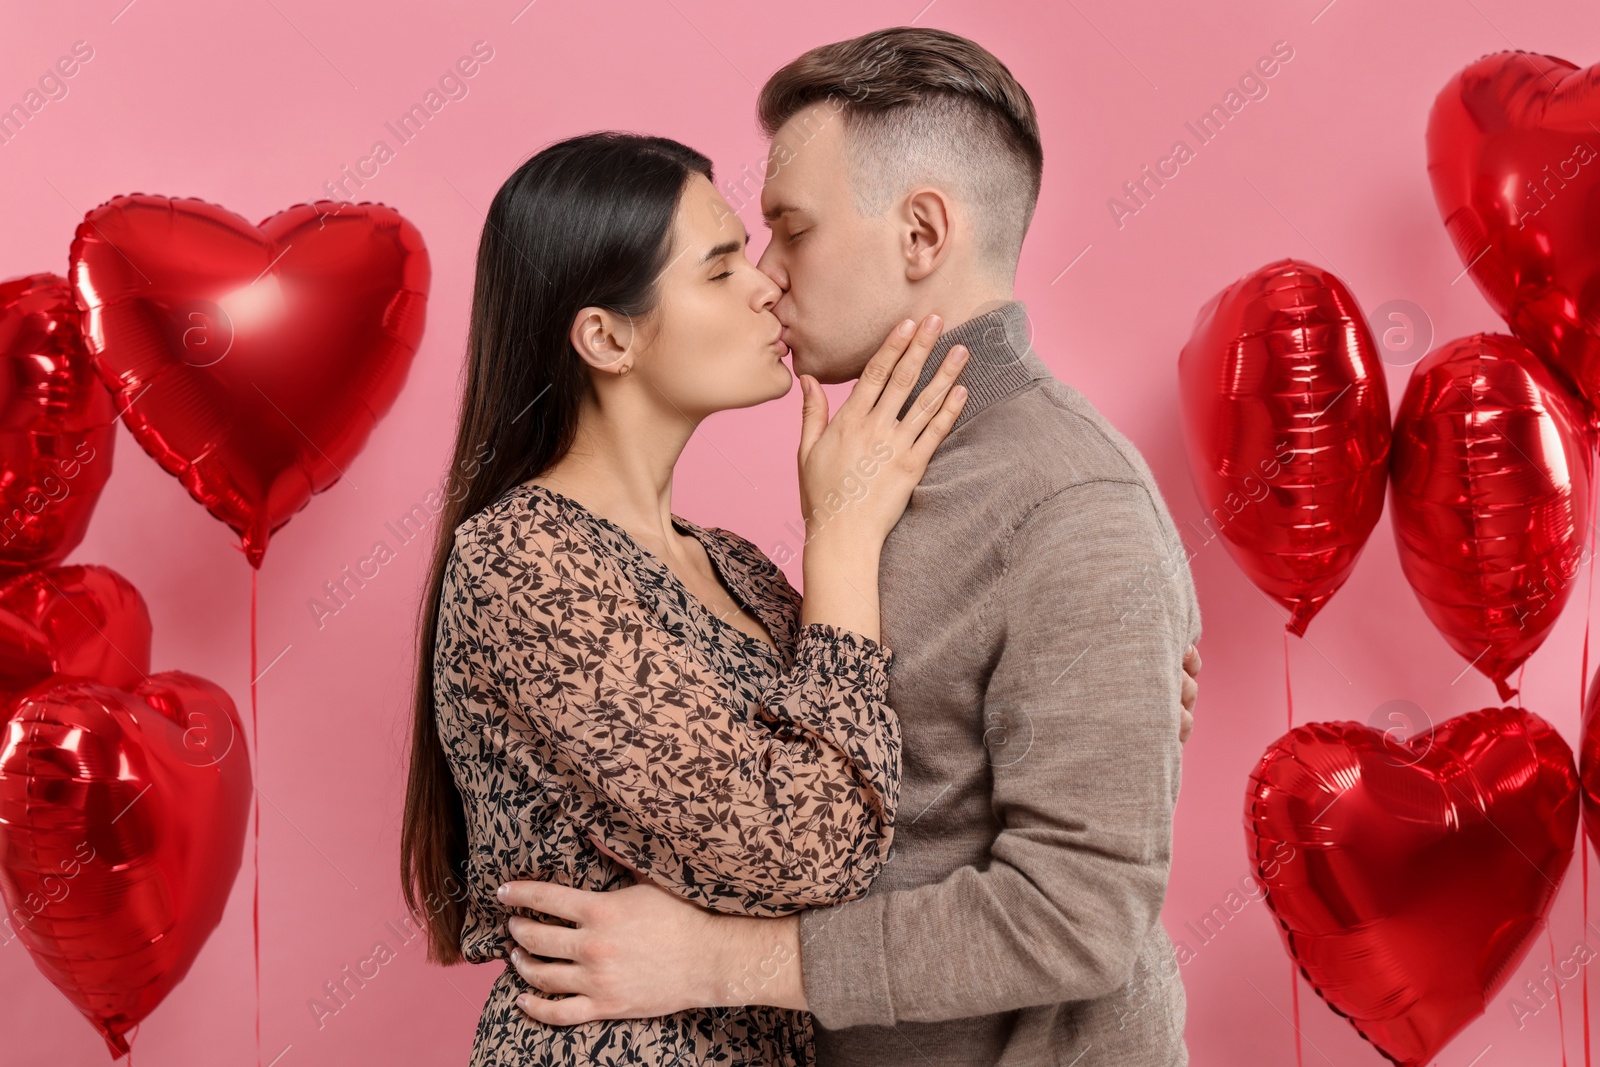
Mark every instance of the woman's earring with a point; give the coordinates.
(626, 367)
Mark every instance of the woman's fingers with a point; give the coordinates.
(907, 368)
(813, 413)
(927, 402)
(875, 376)
(939, 425)
(876, 373)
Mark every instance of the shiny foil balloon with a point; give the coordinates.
(57, 425)
(1514, 156)
(1490, 485)
(251, 361)
(122, 819)
(85, 621)
(1410, 878)
(1286, 419)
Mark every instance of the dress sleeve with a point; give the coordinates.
(763, 810)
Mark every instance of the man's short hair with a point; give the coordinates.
(924, 105)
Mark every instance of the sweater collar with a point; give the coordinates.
(1000, 359)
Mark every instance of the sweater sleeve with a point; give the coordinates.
(760, 810)
(1095, 609)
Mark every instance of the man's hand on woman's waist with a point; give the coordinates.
(640, 952)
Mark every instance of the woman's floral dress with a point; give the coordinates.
(581, 688)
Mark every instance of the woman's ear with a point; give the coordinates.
(602, 338)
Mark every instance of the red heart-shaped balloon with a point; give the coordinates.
(57, 425)
(251, 362)
(1514, 157)
(1409, 878)
(85, 621)
(122, 819)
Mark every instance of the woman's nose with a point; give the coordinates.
(767, 292)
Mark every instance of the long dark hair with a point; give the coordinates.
(585, 222)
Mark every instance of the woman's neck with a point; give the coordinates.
(621, 462)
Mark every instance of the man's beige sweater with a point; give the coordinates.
(1038, 602)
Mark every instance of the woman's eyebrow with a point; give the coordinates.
(724, 248)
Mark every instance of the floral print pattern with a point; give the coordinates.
(581, 688)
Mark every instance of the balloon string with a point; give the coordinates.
(1561, 1019)
(1288, 693)
(1294, 971)
(1294, 989)
(1583, 838)
(255, 747)
(1583, 682)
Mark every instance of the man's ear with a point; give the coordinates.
(601, 338)
(926, 218)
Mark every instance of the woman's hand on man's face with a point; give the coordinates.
(865, 446)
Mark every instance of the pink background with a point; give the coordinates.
(256, 105)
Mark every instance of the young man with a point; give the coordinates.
(1038, 602)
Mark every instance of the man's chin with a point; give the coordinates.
(825, 375)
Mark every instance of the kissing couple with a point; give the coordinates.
(921, 815)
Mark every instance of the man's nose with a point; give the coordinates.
(771, 265)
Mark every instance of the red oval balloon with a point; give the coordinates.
(58, 425)
(1490, 486)
(1286, 417)
(1514, 159)
(1410, 878)
(251, 362)
(122, 819)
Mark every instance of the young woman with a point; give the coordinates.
(592, 663)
